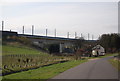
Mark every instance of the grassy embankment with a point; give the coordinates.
(19, 49)
(20, 57)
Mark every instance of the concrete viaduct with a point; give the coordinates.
(41, 41)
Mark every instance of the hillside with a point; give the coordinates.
(19, 49)
(17, 57)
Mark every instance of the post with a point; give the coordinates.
(32, 29)
(2, 25)
(23, 29)
(55, 32)
(46, 31)
(60, 48)
(88, 36)
(68, 35)
(81, 35)
(92, 37)
(75, 35)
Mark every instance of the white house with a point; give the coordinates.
(98, 50)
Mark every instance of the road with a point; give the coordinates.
(93, 69)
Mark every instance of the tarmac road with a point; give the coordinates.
(93, 69)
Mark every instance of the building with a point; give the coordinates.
(98, 50)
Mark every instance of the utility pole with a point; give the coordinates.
(23, 29)
(55, 32)
(32, 29)
(46, 31)
(2, 25)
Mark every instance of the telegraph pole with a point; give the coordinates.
(2, 25)
(32, 29)
(23, 29)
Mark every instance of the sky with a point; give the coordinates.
(95, 18)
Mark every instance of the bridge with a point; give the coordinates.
(42, 41)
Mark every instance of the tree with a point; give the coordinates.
(79, 42)
(78, 48)
(111, 42)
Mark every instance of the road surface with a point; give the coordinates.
(93, 69)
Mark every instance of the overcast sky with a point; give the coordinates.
(95, 18)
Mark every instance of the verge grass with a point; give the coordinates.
(106, 55)
(115, 63)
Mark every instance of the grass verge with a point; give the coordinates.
(115, 63)
(44, 72)
(103, 56)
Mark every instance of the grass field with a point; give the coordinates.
(44, 72)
